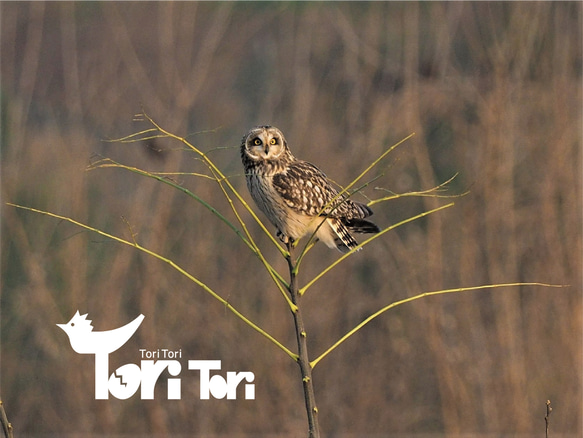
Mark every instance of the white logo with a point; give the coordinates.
(127, 379)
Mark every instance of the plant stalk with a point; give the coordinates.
(303, 358)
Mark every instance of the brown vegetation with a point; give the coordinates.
(492, 91)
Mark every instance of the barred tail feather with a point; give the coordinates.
(361, 226)
(363, 209)
(342, 239)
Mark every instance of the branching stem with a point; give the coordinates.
(291, 292)
(303, 358)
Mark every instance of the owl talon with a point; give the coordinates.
(283, 237)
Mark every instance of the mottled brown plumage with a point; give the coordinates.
(296, 196)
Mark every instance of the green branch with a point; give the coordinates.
(416, 297)
(223, 181)
(207, 289)
(422, 193)
(108, 162)
(344, 191)
(221, 178)
(367, 241)
(281, 284)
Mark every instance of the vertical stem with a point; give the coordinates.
(303, 359)
(547, 418)
(6, 426)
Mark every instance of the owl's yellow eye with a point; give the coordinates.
(257, 142)
(273, 141)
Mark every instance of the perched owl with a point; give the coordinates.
(296, 196)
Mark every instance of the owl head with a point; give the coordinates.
(264, 143)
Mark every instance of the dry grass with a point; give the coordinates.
(492, 91)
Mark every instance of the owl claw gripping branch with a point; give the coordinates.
(296, 196)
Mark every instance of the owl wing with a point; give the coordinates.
(307, 190)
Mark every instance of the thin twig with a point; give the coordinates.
(547, 418)
(432, 193)
(416, 297)
(6, 426)
(370, 239)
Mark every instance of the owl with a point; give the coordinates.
(296, 196)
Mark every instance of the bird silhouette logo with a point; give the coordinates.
(127, 379)
(101, 343)
(86, 341)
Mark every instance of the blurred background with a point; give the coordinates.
(492, 92)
